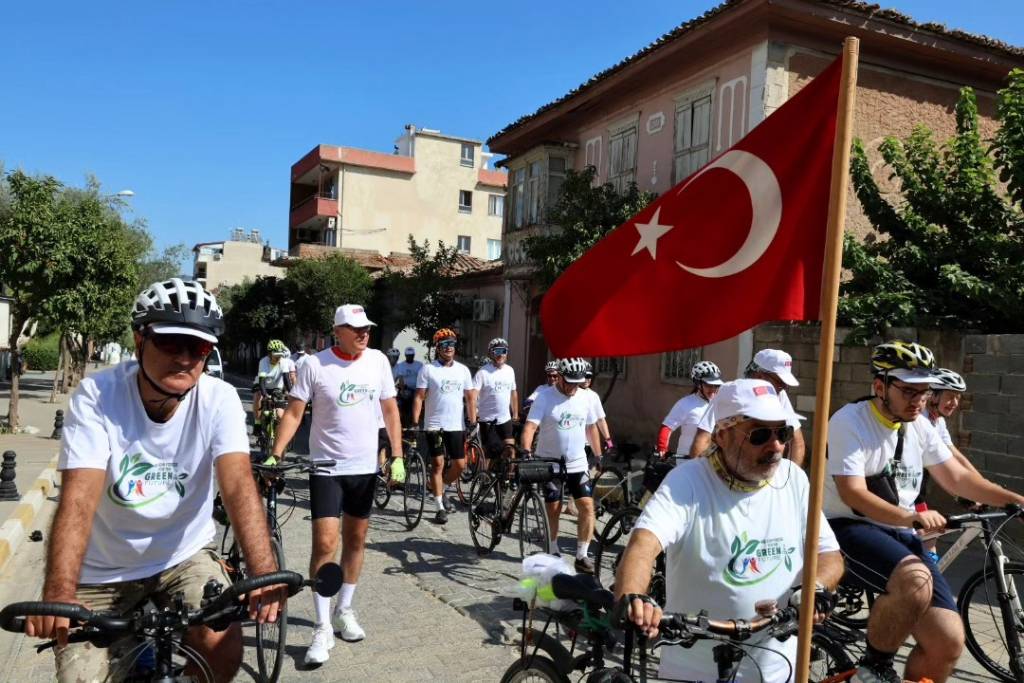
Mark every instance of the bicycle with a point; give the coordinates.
(513, 486)
(163, 630)
(414, 488)
(265, 430)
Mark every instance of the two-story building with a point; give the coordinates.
(659, 115)
(433, 186)
(221, 264)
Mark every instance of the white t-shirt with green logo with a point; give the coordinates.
(446, 386)
(157, 502)
(727, 550)
(495, 386)
(346, 396)
(563, 424)
(860, 445)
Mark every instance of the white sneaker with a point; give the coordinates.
(319, 650)
(347, 627)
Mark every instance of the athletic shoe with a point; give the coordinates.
(442, 516)
(876, 673)
(346, 626)
(319, 650)
(584, 565)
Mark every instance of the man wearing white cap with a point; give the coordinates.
(878, 449)
(776, 368)
(350, 387)
(405, 373)
(732, 526)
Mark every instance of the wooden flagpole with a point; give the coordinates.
(829, 306)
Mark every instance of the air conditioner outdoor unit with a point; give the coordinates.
(483, 310)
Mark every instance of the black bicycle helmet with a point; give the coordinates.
(572, 370)
(181, 302)
(705, 372)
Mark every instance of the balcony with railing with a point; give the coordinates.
(308, 211)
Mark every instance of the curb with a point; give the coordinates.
(15, 530)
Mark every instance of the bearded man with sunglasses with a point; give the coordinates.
(140, 448)
(878, 449)
(732, 526)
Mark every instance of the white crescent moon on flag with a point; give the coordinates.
(766, 205)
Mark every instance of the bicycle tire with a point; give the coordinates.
(474, 457)
(485, 511)
(271, 638)
(830, 662)
(414, 490)
(534, 532)
(854, 607)
(382, 488)
(608, 496)
(533, 668)
(984, 651)
(611, 543)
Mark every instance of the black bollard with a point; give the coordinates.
(8, 489)
(58, 424)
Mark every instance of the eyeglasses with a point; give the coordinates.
(359, 331)
(913, 395)
(447, 344)
(759, 436)
(499, 351)
(175, 344)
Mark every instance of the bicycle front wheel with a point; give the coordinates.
(474, 457)
(534, 533)
(485, 512)
(534, 669)
(414, 490)
(382, 490)
(830, 662)
(611, 543)
(993, 630)
(270, 637)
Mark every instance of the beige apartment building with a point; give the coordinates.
(221, 264)
(433, 186)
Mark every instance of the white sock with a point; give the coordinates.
(440, 502)
(581, 549)
(323, 610)
(554, 548)
(345, 597)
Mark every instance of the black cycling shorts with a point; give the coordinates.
(439, 441)
(333, 495)
(577, 485)
(493, 436)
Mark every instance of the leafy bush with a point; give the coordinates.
(43, 353)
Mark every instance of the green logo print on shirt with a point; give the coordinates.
(141, 483)
(352, 394)
(570, 421)
(753, 561)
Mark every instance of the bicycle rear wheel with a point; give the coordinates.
(474, 457)
(533, 669)
(611, 543)
(830, 662)
(414, 490)
(485, 512)
(534, 533)
(271, 637)
(853, 607)
(992, 637)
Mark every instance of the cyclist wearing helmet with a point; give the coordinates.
(406, 373)
(276, 375)
(566, 421)
(878, 449)
(497, 398)
(550, 378)
(687, 411)
(353, 394)
(443, 385)
(776, 368)
(141, 445)
(595, 400)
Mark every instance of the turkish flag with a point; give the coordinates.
(739, 242)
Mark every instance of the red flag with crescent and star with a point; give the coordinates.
(737, 243)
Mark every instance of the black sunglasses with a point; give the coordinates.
(447, 344)
(759, 436)
(175, 344)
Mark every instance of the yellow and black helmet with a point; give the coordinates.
(901, 355)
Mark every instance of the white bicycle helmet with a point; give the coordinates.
(573, 370)
(181, 303)
(551, 366)
(947, 380)
(706, 372)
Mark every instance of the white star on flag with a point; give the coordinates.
(649, 234)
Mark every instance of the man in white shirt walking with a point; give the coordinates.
(497, 399)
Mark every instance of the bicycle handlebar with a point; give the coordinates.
(957, 521)
(700, 627)
(12, 617)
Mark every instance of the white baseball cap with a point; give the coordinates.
(752, 398)
(778, 363)
(352, 314)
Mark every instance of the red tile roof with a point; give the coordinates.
(494, 178)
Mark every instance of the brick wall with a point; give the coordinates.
(988, 428)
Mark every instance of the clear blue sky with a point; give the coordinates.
(201, 108)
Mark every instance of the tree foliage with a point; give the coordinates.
(258, 310)
(320, 285)
(425, 297)
(583, 214)
(950, 252)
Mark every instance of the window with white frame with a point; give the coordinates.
(467, 155)
(533, 196)
(556, 177)
(518, 198)
(622, 158)
(464, 244)
(693, 134)
(493, 250)
(676, 365)
(605, 367)
(465, 201)
(495, 205)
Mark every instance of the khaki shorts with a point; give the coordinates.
(86, 663)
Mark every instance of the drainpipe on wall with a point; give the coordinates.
(506, 313)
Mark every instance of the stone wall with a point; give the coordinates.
(988, 428)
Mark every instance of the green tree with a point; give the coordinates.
(159, 265)
(258, 310)
(320, 285)
(950, 251)
(425, 296)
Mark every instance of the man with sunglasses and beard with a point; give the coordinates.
(878, 449)
(732, 526)
(141, 445)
